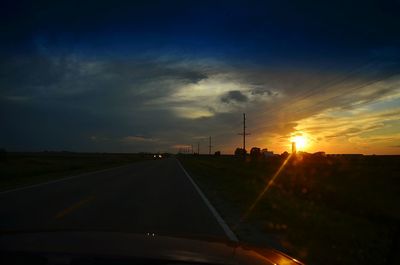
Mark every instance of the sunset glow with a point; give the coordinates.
(301, 142)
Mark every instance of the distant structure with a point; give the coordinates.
(240, 152)
(294, 149)
(285, 155)
(320, 154)
(255, 151)
(267, 153)
(346, 155)
(244, 135)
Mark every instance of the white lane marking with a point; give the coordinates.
(61, 179)
(221, 221)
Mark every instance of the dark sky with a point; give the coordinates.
(127, 76)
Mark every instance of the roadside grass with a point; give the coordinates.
(334, 210)
(24, 169)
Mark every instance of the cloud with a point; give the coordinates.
(263, 91)
(155, 102)
(138, 138)
(234, 95)
(370, 128)
(181, 146)
(190, 112)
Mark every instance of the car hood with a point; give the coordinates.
(146, 246)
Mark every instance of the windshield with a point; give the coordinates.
(265, 125)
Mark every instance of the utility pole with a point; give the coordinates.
(209, 145)
(244, 134)
(198, 148)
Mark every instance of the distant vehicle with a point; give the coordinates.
(157, 156)
(88, 247)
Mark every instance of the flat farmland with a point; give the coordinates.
(22, 169)
(324, 210)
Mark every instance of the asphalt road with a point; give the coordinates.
(144, 197)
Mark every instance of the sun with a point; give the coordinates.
(301, 142)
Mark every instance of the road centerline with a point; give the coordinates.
(73, 207)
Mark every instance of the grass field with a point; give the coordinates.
(21, 169)
(333, 210)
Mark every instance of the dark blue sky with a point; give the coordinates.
(237, 29)
(116, 70)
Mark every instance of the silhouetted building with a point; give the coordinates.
(255, 151)
(320, 154)
(267, 153)
(240, 152)
(285, 154)
(303, 154)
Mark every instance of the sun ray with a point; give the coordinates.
(259, 197)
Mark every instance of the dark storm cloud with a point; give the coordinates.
(94, 99)
(234, 95)
(44, 75)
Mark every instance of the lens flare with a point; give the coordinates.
(301, 141)
(261, 194)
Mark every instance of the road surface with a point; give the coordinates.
(145, 197)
